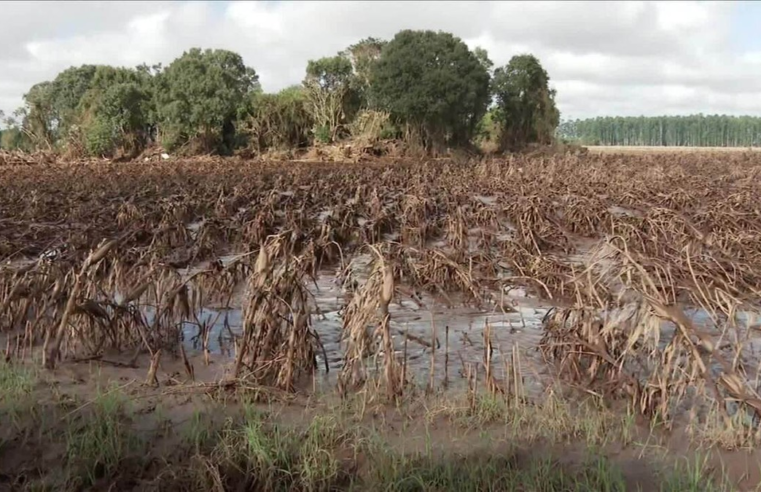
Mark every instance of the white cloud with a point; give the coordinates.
(675, 16)
(603, 58)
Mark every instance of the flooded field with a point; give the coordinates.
(524, 287)
(439, 338)
(432, 334)
(635, 277)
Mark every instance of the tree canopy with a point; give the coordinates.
(97, 108)
(694, 131)
(526, 107)
(422, 86)
(114, 111)
(66, 93)
(279, 121)
(431, 82)
(362, 56)
(38, 117)
(199, 95)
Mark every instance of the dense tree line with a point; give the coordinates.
(425, 87)
(693, 131)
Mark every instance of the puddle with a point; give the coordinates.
(459, 332)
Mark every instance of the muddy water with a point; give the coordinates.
(441, 340)
(457, 333)
(447, 339)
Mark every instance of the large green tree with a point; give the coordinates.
(89, 109)
(115, 111)
(337, 88)
(433, 84)
(526, 108)
(199, 98)
(51, 108)
(67, 91)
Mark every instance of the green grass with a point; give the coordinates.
(489, 472)
(274, 457)
(100, 439)
(552, 419)
(319, 467)
(17, 384)
(689, 475)
(335, 452)
(199, 435)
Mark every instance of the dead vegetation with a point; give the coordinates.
(652, 262)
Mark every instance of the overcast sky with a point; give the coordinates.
(617, 58)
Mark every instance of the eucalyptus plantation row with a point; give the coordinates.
(691, 131)
(427, 88)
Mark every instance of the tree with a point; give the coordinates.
(58, 113)
(694, 130)
(6, 134)
(525, 102)
(337, 88)
(37, 115)
(568, 130)
(483, 57)
(362, 55)
(12, 138)
(432, 83)
(280, 121)
(328, 86)
(66, 93)
(488, 132)
(50, 109)
(199, 96)
(115, 111)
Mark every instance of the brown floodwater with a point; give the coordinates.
(445, 340)
(440, 338)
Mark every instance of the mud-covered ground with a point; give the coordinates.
(95, 425)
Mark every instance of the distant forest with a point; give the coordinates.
(686, 131)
